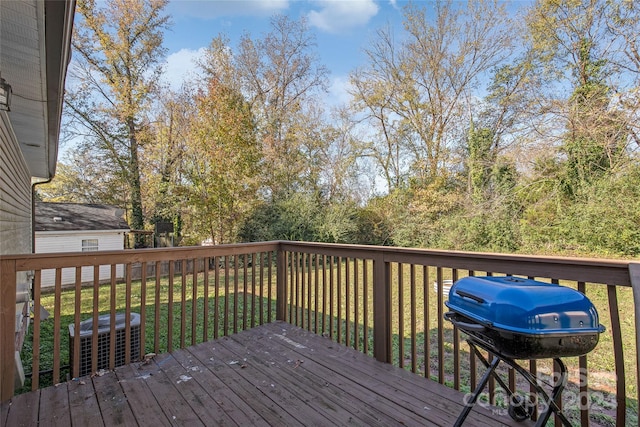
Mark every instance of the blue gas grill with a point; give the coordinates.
(515, 318)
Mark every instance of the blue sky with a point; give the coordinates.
(341, 27)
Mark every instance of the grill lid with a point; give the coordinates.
(524, 306)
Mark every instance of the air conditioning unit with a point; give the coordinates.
(104, 340)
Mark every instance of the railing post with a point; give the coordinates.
(7, 328)
(381, 309)
(281, 285)
(634, 276)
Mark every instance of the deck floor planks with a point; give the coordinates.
(398, 403)
(315, 389)
(83, 405)
(114, 406)
(54, 406)
(275, 374)
(355, 401)
(286, 390)
(238, 410)
(402, 387)
(28, 415)
(273, 387)
(4, 412)
(172, 402)
(272, 413)
(142, 402)
(195, 396)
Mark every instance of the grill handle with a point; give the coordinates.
(465, 294)
(474, 327)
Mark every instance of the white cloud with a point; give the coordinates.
(338, 94)
(216, 8)
(181, 66)
(336, 16)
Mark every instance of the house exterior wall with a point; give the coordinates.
(15, 194)
(71, 241)
(15, 222)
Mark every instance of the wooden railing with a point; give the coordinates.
(184, 296)
(385, 302)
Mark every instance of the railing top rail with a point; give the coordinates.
(607, 271)
(72, 259)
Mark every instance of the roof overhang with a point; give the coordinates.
(79, 232)
(35, 49)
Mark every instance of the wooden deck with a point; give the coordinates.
(275, 374)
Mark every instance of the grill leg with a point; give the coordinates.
(483, 382)
(553, 407)
(501, 382)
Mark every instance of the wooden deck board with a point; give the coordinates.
(397, 389)
(237, 410)
(172, 400)
(114, 406)
(242, 389)
(30, 402)
(143, 404)
(273, 386)
(195, 396)
(83, 404)
(275, 374)
(313, 387)
(4, 413)
(54, 406)
(331, 392)
(439, 404)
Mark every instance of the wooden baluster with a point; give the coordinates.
(194, 301)
(414, 318)
(205, 303)
(427, 322)
(156, 308)
(400, 316)
(170, 307)
(183, 302)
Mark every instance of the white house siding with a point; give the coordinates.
(71, 241)
(15, 194)
(15, 218)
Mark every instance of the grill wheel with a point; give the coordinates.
(520, 408)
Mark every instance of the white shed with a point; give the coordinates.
(77, 227)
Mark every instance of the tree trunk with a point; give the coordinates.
(137, 219)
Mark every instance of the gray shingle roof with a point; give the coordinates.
(78, 216)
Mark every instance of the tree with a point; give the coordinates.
(221, 164)
(83, 177)
(164, 158)
(572, 38)
(623, 24)
(587, 124)
(416, 93)
(118, 54)
(373, 89)
(280, 76)
(480, 162)
(343, 173)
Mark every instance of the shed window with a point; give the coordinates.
(89, 245)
